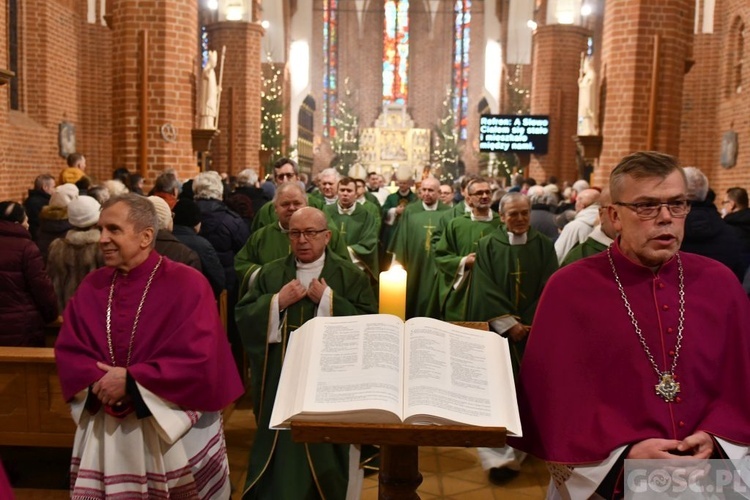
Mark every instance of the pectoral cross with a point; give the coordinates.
(428, 235)
(517, 274)
(343, 229)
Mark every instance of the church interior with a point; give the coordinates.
(385, 84)
(379, 83)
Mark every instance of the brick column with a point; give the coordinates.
(626, 74)
(239, 115)
(554, 92)
(172, 29)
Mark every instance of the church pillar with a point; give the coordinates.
(170, 32)
(642, 87)
(236, 148)
(554, 92)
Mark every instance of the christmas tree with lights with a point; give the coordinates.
(272, 110)
(345, 140)
(446, 151)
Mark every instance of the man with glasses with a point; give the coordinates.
(512, 265)
(455, 252)
(284, 170)
(288, 292)
(646, 356)
(271, 242)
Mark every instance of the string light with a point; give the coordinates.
(272, 110)
(345, 139)
(446, 149)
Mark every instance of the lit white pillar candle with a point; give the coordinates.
(393, 292)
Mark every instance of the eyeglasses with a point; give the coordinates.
(650, 209)
(285, 176)
(310, 234)
(486, 192)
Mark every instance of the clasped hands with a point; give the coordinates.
(293, 292)
(110, 389)
(697, 445)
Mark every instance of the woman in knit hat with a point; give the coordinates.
(73, 256)
(53, 219)
(27, 299)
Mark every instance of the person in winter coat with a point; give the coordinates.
(53, 219)
(73, 256)
(27, 298)
(222, 227)
(44, 186)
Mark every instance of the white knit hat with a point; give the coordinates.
(83, 212)
(64, 194)
(163, 212)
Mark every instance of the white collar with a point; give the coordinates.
(331, 201)
(316, 264)
(430, 208)
(283, 231)
(346, 211)
(482, 218)
(518, 239)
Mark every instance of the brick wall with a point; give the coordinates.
(65, 76)
(556, 59)
(239, 113)
(712, 103)
(172, 29)
(626, 70)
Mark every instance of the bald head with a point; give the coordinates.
(429, 190)
(288, 199)
(308, 234)
(586, 198)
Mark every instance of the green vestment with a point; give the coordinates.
(270, 243)
(459, 239)
(280, 469)
(392, 201)
(267, 213)
(372, 199)
(457, 210)
(508, 280)
(582, 250)
(360, 232)
(374, 209)
(412, 247)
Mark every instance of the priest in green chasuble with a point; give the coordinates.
(412, 246)
(310, 282)
(284, 170)
(272, 241)
(394, 206)
(357, 227)
(455, 252)
(512, 266)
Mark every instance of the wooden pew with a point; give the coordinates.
(32, 409)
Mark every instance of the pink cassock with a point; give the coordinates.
(586, 385)
(180, 350)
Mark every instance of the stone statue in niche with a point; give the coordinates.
(209, 100)
(588, 94)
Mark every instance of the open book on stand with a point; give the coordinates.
(377, 369)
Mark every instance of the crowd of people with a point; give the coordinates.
(569, 275)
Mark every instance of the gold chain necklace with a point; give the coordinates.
(137, 314)
(668, 387)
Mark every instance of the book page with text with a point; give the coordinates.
(460, 375)
(360, 365)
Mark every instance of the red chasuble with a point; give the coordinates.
(586, 385)
(180, 350)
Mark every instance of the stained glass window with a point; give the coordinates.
(396, 52)
(461, 46)
(330, 65)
